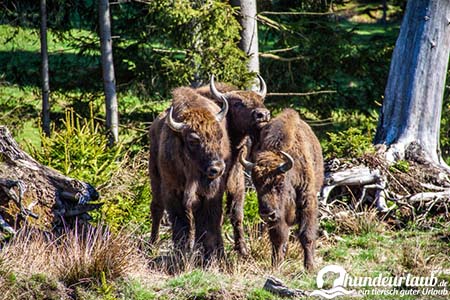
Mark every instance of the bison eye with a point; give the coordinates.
(193, 139)
(238, 104)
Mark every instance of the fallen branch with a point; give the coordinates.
(29, 189)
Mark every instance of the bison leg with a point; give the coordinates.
(157, 212)
(279, 235)
(209, 228)
(307, 215)
(157, 204)
(235, 207)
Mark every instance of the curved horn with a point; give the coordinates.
(216, 94)
(247, 165)
(288, 164)
(174, 125)
(262, 87)
(223, 112)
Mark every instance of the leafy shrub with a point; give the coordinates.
(349, 143)
(80, 150)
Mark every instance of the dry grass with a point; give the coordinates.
(80, 256)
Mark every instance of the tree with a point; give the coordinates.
(249, 32)
(109, 81)
(411, 112)
(44, 70)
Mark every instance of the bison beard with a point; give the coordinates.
(288, 174)
(189, 152)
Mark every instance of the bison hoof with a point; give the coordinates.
(309, 266)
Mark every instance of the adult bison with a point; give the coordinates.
(288, 173)
(189, 155)
(247, 115)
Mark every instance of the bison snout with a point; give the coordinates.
(261, 115)
(215, 169)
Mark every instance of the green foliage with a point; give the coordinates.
(136, 291)
(197, 284)
(80, 150)
(349, 143)
(251, 214)
(401, 165)
(197, 40)
(105, 289)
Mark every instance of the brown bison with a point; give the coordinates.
(288, 174)
(189, 155)
(246, 117)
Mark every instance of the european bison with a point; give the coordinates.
(288, 173)
(246, 117)
(189, 155)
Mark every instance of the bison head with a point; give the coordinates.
(247, 110)
(272, 183)
(202, 137)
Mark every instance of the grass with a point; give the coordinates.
(104, 265)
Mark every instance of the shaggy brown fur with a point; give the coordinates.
(247, 114)
(178, 167)
(289, 198)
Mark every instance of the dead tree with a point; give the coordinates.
(31, 192)
(409, 125)
(412, 106)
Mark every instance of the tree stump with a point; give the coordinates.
(36, 194)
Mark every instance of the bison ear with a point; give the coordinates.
(288, 164)
(174, 125)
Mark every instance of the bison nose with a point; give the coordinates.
(261, 115)
(215, 169)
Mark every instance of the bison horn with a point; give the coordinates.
(288, 164)
(216, 94)
(174, 125)
(223, 112)
(262, 87)
(247, 164)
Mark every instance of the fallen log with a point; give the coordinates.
(416, 190)
(36, 194)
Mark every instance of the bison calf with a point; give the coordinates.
(288, 173)
(189, 155)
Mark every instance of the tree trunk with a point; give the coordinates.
(29, 189)
(384, 17)
(45, 115)
(249, 32)
(412, 106)
(109, 81)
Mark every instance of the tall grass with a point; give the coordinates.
(85, 255)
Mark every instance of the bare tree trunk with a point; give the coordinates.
(109, 81)
(412, 107)
(249, 32)
(45, 115)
